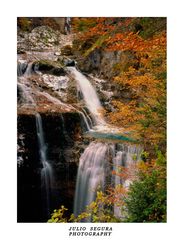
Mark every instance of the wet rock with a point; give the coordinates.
(21, 67)
(63, 149)
(58, 71)
(72, 91)
(91, 63)
(20, 51)
(66, 61)
(50, 67)
(105, 64)
(56, 83)
(70, 63)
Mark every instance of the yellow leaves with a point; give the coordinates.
(140, 84)
(116, 195)
(141, 109)
(93, 205)
(83, 215)
(142, 166)
(99, 195)
(143, 114)
(58, 215)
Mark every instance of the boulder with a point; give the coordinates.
(50, 67)
(39, 39)
(67, 50)
(66, 61)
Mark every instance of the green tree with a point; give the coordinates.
(146, 198)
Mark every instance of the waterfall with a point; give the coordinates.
(98, 160)
(21, 68)
(29, 69)
(24, 94)
(46, 172)
(90, 96)
(91, 175)
(95, 167)
(95, 118)
(24, 70)
(85, 120)
(95, 170)
(67, 25)
(88, 118)
(118, 162)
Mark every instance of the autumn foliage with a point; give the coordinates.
(143, 114)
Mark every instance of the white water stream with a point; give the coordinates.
(91, 174)
(94, 165)
(46, 172)
(90, 96)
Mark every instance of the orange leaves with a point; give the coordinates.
(126, 114)
(142, 102)
(116, 195)
(132, 41)
(126, 173)
(121, 37)
(141, 85)
(145, 113)
(123, 41)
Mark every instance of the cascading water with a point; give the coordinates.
(46, 172)
(88, 118)
(91, 175)
(25, 93)
(94, 165)
(24, 70)
(94, 172)
(21, 68)
(29, 94)
(95, 117)
(98, 159)
(125, 156)
(90, 96)
(29, 69)
(87, 126)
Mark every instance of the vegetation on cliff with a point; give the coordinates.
(143, 114)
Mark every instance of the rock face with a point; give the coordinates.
(63, 138)
(42, 38)
(49, 67)
(107, 64)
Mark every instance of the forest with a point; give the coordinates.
(91, 114)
